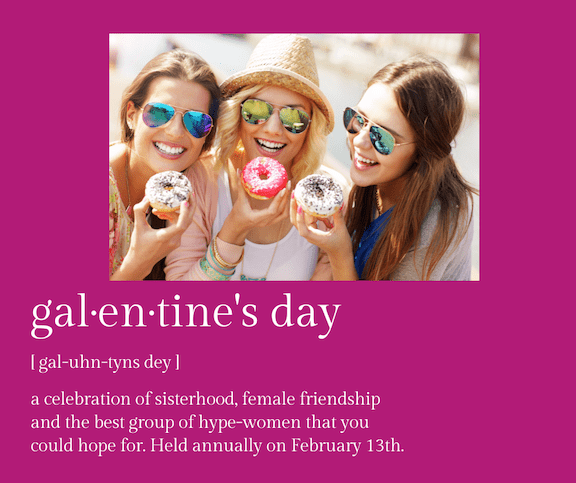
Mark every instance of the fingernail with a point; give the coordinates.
(299, 211)
(186, 204)
(292, 195)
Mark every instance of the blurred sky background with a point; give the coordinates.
(345, 64)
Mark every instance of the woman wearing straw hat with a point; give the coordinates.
(254, 239)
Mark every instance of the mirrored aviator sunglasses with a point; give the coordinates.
(381, 139)
(156, 114)
(255, 111)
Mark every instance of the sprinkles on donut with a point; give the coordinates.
(319, 195)
(166, 190)
(263, 178)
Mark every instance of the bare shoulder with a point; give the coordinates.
(117, 154)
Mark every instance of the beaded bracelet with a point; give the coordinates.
(216, 265)
(211, 272)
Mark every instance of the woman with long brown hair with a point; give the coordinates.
(409, 213)
(168, 116)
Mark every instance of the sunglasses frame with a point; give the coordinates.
(181, 111)
(274, 107)
(368, 122)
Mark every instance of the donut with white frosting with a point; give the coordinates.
(319, 195)
(166, 190)
(263, 178)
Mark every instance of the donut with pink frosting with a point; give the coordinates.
(263, 178)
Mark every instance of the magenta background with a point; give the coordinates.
(475, 378)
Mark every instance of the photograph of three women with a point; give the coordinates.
(365, 148)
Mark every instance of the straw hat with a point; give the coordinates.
(283, 60)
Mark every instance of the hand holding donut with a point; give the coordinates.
(334, 240)
(244, 217)
(319, 198)
(148, 245)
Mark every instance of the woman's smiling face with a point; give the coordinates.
(170, 146)
(271, 139)
(369, 167)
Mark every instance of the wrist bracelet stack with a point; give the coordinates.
(213, 265)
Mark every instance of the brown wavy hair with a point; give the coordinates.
(432, 102)
(177, 64)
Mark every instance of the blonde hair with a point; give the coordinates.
(229, 146)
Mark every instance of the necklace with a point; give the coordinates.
(129, 209)
(379, 203)
(262, 279)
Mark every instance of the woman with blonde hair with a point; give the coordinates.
(274, 108)
(409, 212)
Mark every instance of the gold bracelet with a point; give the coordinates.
(219, 258)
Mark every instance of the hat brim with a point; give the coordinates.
(276, 76)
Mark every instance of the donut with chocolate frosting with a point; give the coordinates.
(319, 195)
(166, 190)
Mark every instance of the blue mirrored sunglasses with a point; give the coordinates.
(156, 114)
(381, 139)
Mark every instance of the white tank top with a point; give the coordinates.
(294, 259)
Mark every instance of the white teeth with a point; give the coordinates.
(364, 160)
(270, 146)
(169, 149)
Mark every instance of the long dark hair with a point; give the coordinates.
(178, 64)
(432, 102)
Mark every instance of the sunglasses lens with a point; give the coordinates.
(197, 123)
(256, 112)
(353, 121)
(294, 120)
(157, 114)
(382, 140)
